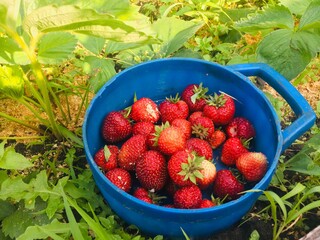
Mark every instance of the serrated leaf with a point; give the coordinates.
(16, 224)
(13, 160)
(287, 52)
(12, 81)
(46, 231)
(297, 7)
(55, 47)
(6, 209)
(13, 188)
(85, 21)
(93, 44)
(100, 71)
(174, 33)
(311, 17)
(269, 18)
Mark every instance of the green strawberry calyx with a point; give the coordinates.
(216, 100)
(199, 93)
(191, 169)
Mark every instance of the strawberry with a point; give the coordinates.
(202, 127)
(121, 178)
(220, 109)
(173, 108)
(142, 194)
(131, 151)
(200, 146)
(107, 157)
(252, 165)
(240, 127)
(184, 168)
(145, 109)
(151, 170)
(116, 127)
(206, 203)
(143, 128)
(208, 171)
(188, 197)
(193, 116)
(171, 140)
(227, 185)
(231, 150)
(217, 138)
(195, 96)
(184, 125)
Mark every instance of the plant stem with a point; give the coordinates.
(16, 120)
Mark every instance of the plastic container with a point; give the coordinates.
(161, 78)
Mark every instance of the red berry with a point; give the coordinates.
(227, 185)
(194, 95)
(121, 178)
(252, 165)
(202, 127)
(146, 110)
(200, 146)
(173, 108)
(131, 151)
(231, 150)
(206, 203)
(209, 172)
(116, 127)
(143, 128)
(217, 138)
(220, 109)
(193, 116)
(142, 194)
(171, 140)
(240, 127)
(107, 157)
(184, 125)
(188, 197)
(151, 170)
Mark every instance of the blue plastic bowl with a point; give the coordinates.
(161, 78)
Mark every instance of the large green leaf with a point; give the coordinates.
(174, 33)
(86, 21)
(10, 53)
(311, 17)
(297, 7)
(93, 44)
(100, 71)
(269, 18)
(287, 51)
(55, 47)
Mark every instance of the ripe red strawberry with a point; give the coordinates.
(142, 194)
(231, 150)
(173, 108)
(116, 127)
(202, 127)
(194, 95)
(200, 146)
(217, 138)
(171, 140)
(220, 109)
(208, 172)
(107, 157)
(131, 151)
(145, 109)
(184, 125)
(143, 128)
(193, 116)
(252, 165)
(121, 178)
(227, 185)
(151, 170)
(240, 127)
(184, 168)
(188, 197)
(206, 203)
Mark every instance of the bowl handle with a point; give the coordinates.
(305, 114)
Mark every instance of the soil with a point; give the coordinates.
(21, 137)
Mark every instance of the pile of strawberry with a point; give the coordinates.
(168, 149)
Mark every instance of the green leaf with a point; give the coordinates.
(10, 53)
(3, 13)
(174, 33)
(6, 209)
(270, 18)
(46, 231)
(12, 81)
(311, 17)
(85, 21)
(297, 7)
(287, 52)
(16, 224)
(93, 44)
(13, 160)
(100, 71)
(56, 47)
